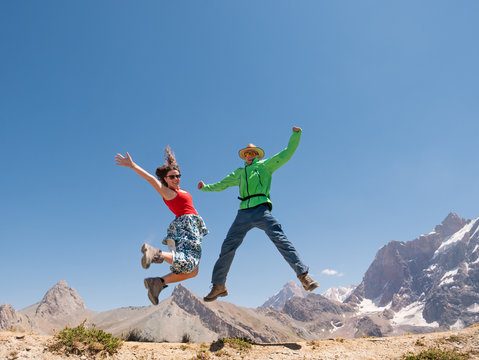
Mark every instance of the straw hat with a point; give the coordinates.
(251, 147)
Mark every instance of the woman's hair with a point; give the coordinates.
(170, 164)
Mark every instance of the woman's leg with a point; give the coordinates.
(172, 277)
(168, 257)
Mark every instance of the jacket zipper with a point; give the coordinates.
(247, 189)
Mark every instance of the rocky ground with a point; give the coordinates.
(17, 345)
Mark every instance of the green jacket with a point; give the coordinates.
(256, 178)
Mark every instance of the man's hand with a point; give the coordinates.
(201, 184)
(296, 129)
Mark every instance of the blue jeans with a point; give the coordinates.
(259, 217)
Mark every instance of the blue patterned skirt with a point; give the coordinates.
(187, 231)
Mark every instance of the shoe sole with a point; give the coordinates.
(144, 263)
(207, 299)
(153, 300)
(312, 286)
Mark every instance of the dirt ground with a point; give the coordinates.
(18, 345)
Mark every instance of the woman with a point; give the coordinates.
(184, 234)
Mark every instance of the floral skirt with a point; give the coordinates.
(187, 231)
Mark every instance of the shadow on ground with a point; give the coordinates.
(219, 344)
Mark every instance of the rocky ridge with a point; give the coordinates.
(437, 273)
(11, 319)
(289, 290)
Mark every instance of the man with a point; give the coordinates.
(254, 181)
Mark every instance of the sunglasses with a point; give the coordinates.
(171, 177)
(249, 153)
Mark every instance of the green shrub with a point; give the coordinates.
(436, 354)
(81, 340)
(242, 344)
(453, 338)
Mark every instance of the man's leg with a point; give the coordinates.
(271, 226)
(234, 238)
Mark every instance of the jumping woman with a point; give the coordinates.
(185, 233)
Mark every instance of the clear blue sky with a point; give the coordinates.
(386, 94)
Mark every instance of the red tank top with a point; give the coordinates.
(182, 204)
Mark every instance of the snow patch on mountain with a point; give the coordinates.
(448, 277)
(459, 324)
(339, 293)
(367, 306)
(454, 238)
(412, 314)
(474, 308)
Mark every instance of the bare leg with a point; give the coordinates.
(172, 277)
(168, 256)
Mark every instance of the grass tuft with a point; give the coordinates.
(84, 341)
(436, 354)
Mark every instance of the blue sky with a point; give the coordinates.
(385, 92)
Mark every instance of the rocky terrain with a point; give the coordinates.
(16, 345)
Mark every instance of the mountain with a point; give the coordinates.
(289, 290)
(165, 322)
(186, 314)
(11, 319)
(339, 293)
(60, 306)
(182, 314)
(431, 282)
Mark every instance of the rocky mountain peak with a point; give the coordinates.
(339, 293)
(450, 224)
(188, 301)
(437, 273)
(60, 301)
(12, 319)
(7, 313)
(181, 291)
(289, 290)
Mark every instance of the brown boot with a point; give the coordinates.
(150, 255)
(154, 286)
(308, 283)
(216, 291)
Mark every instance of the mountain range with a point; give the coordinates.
(428, 284)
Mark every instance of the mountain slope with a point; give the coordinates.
(289, 290)
(432, 281)
(12, 319)
(60, 306)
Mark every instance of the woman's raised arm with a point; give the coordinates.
(128, 162)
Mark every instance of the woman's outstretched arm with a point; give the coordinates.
(128, 162)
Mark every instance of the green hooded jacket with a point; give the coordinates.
(256, 178)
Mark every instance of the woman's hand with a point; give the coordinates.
(201, 184)
(124, 161)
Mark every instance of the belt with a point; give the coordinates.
(250, 196)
